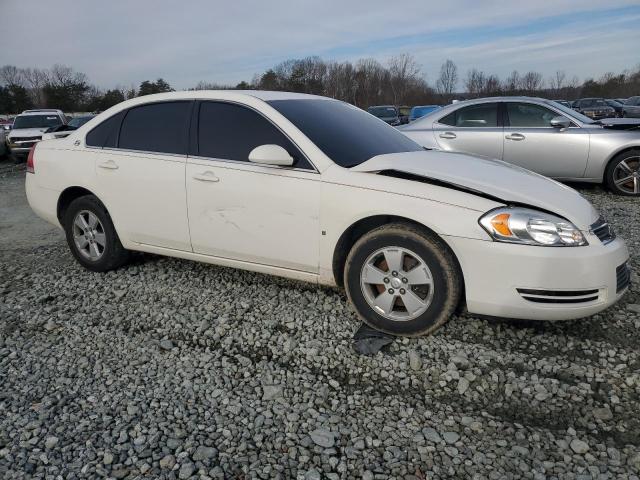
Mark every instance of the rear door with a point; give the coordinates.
(141, 172)
(474, 129)
(531, 142)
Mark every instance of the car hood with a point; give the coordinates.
(489, 178)
(620, 123)
(26, 132)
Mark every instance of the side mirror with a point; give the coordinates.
(560, 122)
(271, 155)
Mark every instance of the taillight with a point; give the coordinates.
(31, 166)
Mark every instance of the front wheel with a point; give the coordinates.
(91, 235)
(623, 174)
(402, 280)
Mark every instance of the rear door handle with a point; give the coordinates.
(109, 165)
(448, 135)
(515, 136)
(207, 176)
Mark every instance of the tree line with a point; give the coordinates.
(365, 82)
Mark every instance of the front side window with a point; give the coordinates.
(347, 135)
(156, 127)
(529, 115)
(484, 115)
(230, 132)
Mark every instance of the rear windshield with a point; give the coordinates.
(37, 121)
(382, 112)
(347, 135)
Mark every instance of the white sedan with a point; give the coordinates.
(315, 189)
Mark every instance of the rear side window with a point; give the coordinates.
(105, 134)
(484, 115)
(156, 127)
(229, 131)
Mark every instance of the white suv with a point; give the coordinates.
(28, 128)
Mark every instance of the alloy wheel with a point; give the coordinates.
(89, 235)
(397, 283)
(626, 175)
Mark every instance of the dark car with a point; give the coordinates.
(388, 113)
(631, 108)
(595, 108)
(404, 112)
(616, 105)
(62, 131)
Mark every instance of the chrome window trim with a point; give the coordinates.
(249, 163)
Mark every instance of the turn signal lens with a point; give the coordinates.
(501, 224)
(31, 167)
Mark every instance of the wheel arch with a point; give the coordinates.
(615, 155)
(67, 196)
(356, 230)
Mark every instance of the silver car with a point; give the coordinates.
(540, 135)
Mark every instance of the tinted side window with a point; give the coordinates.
(105, 134)
(229, 131)
(156, 127)
(482, 115)
(529, 115)
(449, 119)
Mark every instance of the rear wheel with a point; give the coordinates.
(402, 280)
(623, 174)
(91, 235)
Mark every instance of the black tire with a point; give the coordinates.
(447, 278)
(609, 174)
(114, 254)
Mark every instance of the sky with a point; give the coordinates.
(122, 42)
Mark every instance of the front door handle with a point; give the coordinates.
(109, 165)
(448, 135)
(515, 136)
(207, 176)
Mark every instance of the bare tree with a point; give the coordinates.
(512, 83)
(531, 82)
(36, 79)
(475, 82)
(11, 75)
(557, 81)
(448, 79)
(403, 70)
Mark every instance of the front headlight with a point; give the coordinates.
(531, 227)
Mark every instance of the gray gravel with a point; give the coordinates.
(174, 369)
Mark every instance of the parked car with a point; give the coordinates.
(61, 131)
(403, 112)
(616, 105)
(631, 108)
(388, 113)
(421, 111)
(595, 108)
(28, 128)
(540, 135)
(315, 189)
(565, 103)
(621, 100)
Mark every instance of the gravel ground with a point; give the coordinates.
(174, 369)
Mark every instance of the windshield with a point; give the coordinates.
(570, 112)
(346, 134)
(593, 102)
(382, 112)
(614, 103)
(36, 121)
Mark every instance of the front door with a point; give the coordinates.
(531, 142)
(245, 211)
